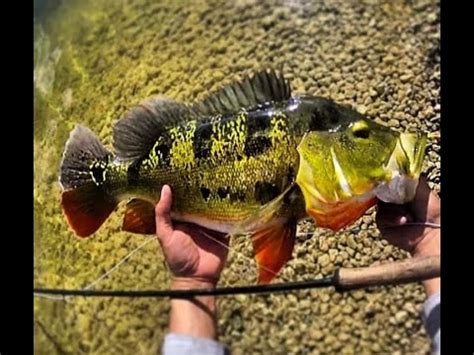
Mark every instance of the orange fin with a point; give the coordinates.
(273, 231)
(86, 208)
(342, 214)
(273, 247)
(139, 217)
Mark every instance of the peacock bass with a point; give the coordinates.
(250, 158)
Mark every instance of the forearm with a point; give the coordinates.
(194, 316)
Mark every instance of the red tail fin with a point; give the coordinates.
(83, 178)
(86, 209)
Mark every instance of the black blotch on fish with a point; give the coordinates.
(256, 145)
(331, 116)
(265, 192)
(202, 141)
(323, 119)
(237, 196)
(205, 192)
(223, 192)
(291, 174)
(133, 172)
(292, 195)
(163, 151)
(98, 174)
(258, 122)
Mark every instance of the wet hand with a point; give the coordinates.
(195, 255)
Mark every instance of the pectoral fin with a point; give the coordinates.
(273, 230)
(273, 247)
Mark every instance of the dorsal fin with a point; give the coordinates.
(136, 133)
(265, 86)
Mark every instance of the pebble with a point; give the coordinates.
(401, 316)
(316, 334)
(324, 260)
(394, 123)
(406, 77)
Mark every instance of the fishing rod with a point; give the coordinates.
(405, 271)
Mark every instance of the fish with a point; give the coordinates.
(250, 158)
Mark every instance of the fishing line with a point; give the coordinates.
(95, 282)
(237, 252)
(287, 286)
(64, 295)
(408, 224)
(50, 297)
(426, 224)
(39, 292)
(118, 264)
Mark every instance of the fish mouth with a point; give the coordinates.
(403, 169)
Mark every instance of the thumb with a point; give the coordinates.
(164, 225)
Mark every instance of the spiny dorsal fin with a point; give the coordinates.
(263, 87)
(136, 133)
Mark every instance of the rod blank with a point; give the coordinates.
(410, 270)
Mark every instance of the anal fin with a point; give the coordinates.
(139, 217)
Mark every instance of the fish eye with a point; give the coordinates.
(361, 130)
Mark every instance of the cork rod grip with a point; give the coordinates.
(409, 270)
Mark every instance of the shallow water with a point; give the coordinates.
(95, 59)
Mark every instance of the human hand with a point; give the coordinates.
(414, 227)
(194, 257)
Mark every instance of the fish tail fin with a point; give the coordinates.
(85, 202)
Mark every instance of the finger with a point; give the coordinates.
(423, 192)
(425, 206)
(164, 225)
(390, 215)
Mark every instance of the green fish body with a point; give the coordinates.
(246, 159)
